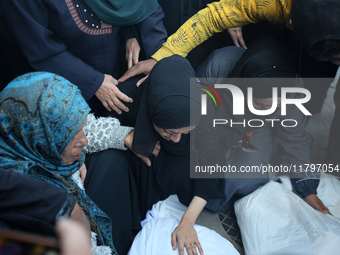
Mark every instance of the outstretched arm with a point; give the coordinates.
(217, 17)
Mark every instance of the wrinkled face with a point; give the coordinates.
(73, 150)
(264, 103)
(173, 134)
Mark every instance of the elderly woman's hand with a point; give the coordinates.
(110, 95)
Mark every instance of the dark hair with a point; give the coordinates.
(324, 50)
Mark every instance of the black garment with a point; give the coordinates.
(5, 74)
(110, 185)
(314, 21)
(179, 11)
(164, 99)
(30, 204)
(168, 174)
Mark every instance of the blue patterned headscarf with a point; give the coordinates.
(40, 113)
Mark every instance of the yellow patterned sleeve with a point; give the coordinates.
(217, 17)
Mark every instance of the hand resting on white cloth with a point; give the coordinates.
(273, 220)
(155, 236)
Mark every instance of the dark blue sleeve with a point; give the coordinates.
(28, 26)
(295, 148)
(305, 187)
(128, 32)
(153, 33)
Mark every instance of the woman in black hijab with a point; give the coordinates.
(266, 64)
(166, 108)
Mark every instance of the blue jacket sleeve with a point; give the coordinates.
(153, 33)
(28, 26)
(295, 147)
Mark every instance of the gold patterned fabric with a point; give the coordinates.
(219, 16)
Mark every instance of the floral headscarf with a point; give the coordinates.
(40, 113)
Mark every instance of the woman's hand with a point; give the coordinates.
(186, 237)
(316, 203)
(185, 234)
(142, 67)
(132, 52)
(237, 36)
(128, 141)
(110, 95)
(82, 172)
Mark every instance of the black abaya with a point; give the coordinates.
(107, 183)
